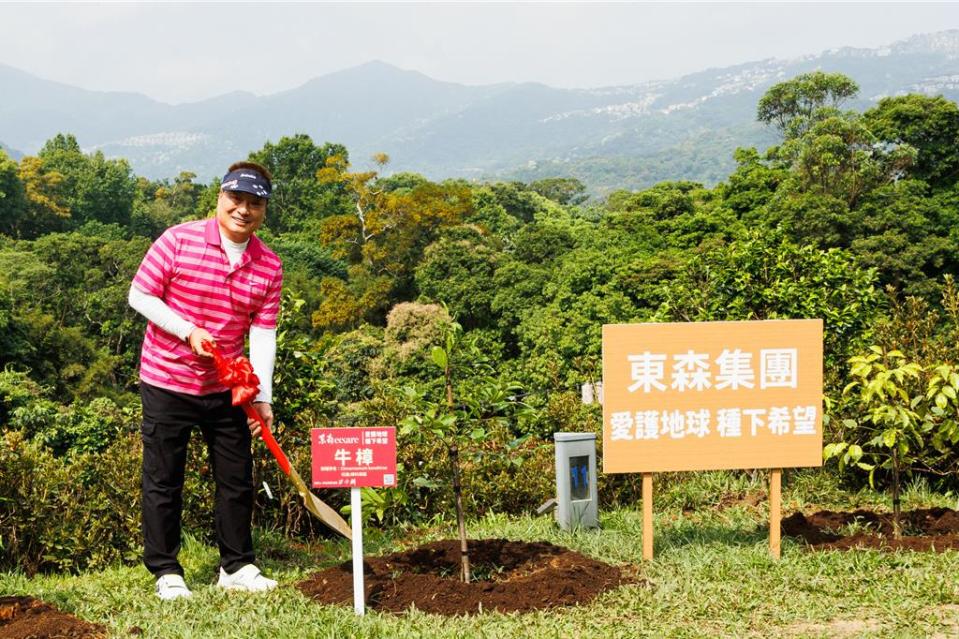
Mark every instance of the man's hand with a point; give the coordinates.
(197, 338)
(266, 412)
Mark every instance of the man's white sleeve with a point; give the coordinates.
(157, 311)
(263, 359)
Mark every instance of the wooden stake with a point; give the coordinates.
(775, 510)
(647, 516)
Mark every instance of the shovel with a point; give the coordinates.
(238, 375)
(313, 504)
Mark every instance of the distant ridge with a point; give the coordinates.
(610, 137)
(12, 153)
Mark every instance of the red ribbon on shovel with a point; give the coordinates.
(237, 374)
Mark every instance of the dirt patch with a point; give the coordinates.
(509, 576)
(29, 618)
(933, 529)
(835, 629)
(748, 499)
(947, 616)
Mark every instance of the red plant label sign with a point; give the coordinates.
(353, 457)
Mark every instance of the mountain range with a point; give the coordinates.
(612, 137)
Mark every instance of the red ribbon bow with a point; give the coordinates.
(236, 373)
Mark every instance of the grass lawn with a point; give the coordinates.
(712, 577)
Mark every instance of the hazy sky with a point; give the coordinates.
(177, 52)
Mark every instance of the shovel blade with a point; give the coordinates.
(319, 509)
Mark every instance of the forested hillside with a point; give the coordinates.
(630, 136)
(852, 216)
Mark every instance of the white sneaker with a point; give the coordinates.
(172, 587)
(247, 578)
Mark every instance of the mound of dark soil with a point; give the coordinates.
(29, 618)
(934, 529)
(509, 576)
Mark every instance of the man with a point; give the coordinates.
(210, 280)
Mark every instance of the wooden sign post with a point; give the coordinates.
(710, 396)
(647, 516)
(775, 510)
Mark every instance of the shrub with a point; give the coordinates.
(412, 330)
(68, 514)
(76, 428)
(16, 390)
(82, 511)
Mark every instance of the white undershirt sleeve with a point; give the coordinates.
(263, 359)
(156, 310)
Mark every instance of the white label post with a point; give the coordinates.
(356, 521)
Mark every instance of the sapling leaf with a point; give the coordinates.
(889, 438)
(941, 401)
(425, 482)
(439, 357)
(831, 450)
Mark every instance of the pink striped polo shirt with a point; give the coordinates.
(187, 268)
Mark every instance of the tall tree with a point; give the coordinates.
(387, 230)
(95, 188)
(383, 237)
(46, 208)
(561, 190)
(13, 201)
(299, 200)
(792, 105)
(928, 124)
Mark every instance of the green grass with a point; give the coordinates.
(712, 577)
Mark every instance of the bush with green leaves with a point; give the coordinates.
(81, 427)
(412, 330)
(902, 416)
(766, 276)
(82, 511)
(16, 391)
(68, 514)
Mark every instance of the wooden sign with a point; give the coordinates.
(712, 395)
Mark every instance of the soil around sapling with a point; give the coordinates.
(929, 530)
(29, 618)
(509, 576)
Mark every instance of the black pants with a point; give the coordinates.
(168, 419)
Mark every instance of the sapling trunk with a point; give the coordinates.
(458, 488)
(460, 519)
(896, 506)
